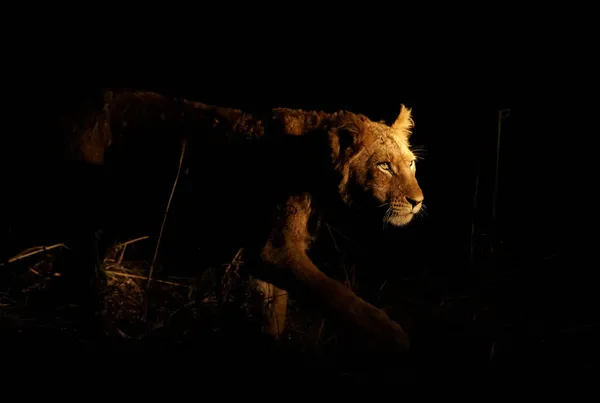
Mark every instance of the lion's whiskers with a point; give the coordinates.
(386, 216)
(422, 211)
(419, 152)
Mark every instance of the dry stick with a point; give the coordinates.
(124, 245)
(220, 278)
(38, 249)
(134, 240)
(473, 226)
(502, 113)
(162, 227)
(234, 260)
(115, 273)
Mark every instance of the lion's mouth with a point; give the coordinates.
(398, 217)
(402, 216)
(402, 212)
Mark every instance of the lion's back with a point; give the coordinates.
(223, 196)
(118, 173)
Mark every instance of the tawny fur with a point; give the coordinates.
(325, 160)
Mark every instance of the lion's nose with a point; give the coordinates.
(414, 202)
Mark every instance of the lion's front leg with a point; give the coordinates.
(288, 266)
(296, 273)
(273, 307)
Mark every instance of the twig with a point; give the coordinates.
(37, 273)
(473, 223)
(183, 278)
(502, 113)
(38, 249)
(134, 240)
(116, 273)
(234, 260)
(124, 246)
(220, 275)
(332, 238)
(320, 333)
(162, 227)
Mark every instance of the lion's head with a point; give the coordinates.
(377, 165)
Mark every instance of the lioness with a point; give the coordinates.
(265, 180)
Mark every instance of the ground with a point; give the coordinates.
(506, 319)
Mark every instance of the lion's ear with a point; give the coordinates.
(338, 142)
(404, 122)
(345, 139)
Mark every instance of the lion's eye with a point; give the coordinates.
(412, 164)
(385, 165)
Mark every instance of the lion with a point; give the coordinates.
(269, 178)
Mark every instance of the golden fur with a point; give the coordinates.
(310, 164)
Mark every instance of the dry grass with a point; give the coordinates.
(506, 319)
(177, 306)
